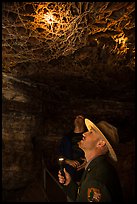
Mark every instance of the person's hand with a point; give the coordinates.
(82, 166)
(73, 163)
(64, 180)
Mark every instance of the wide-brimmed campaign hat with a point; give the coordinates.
(108, 132)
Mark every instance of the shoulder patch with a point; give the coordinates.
(94, 195)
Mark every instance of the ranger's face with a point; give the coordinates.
(89, 140)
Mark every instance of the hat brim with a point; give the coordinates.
(91, 125)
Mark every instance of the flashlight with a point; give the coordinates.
(61, 164)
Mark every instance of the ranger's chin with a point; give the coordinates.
(79, 144)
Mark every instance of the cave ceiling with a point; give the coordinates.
(71, 46)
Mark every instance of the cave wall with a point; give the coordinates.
(20, 120)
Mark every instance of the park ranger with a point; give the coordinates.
(100, 181)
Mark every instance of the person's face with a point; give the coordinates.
(79, 120)
(89, 140)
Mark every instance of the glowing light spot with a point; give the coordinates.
(49, 18)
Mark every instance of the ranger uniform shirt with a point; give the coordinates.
(99, 183)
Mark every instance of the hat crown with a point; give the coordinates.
(109, 131)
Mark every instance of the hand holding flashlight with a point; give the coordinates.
(63, 175)
(61, 164)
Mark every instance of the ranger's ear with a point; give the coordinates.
(101, 143)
